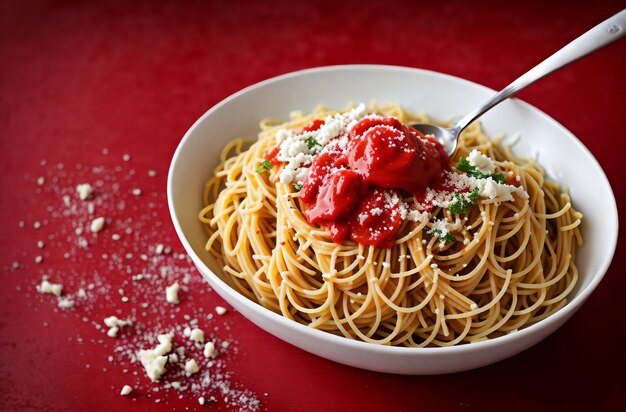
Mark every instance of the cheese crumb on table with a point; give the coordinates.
(50, 288)
(66, 303)
(85, 191)
(97, 224)
(115, 325)
(176, 385)
(165, 343)
(209, 350)
(154, 360)
(197, 335)
(220, 310)
(126, 390)
(171, 293)
(191, 367)
(162, 361)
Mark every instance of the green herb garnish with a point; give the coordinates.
(473, 197)
(448, 238)
(460, 206)
(499, 178)
(266, 165)
(297, 186)
(465, 166)
(311, 142)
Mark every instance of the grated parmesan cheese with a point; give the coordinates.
(113, 199)
(295, 150)
(85, 191)
(115, 325)
(154, 360)
(446, 227)
(220, 310)
(191, 367)
(50, 288)
(197, 335)
(489, 188)
(171, 293)
(65, 303)
(481, 162)
(209, 350)
(97, 224)
(126, 390)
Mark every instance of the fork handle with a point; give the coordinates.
(601, 35)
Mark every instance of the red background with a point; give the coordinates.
(76, 77)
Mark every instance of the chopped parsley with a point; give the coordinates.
(465, 166)
(448, 238)
(311, 142)
(473, 197)
(297, 186)
(460, 206)
(499, 178)
(266, 165)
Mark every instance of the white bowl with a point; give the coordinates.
(441, 96)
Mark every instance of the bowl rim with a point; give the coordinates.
(571, 306)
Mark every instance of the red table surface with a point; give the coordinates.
(78, 77)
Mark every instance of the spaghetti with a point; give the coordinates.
(459, 268)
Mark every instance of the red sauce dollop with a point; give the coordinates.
(349, 189)
(272, 154)
(388, 154)
(315, 125)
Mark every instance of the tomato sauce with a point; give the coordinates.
(353, 191)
